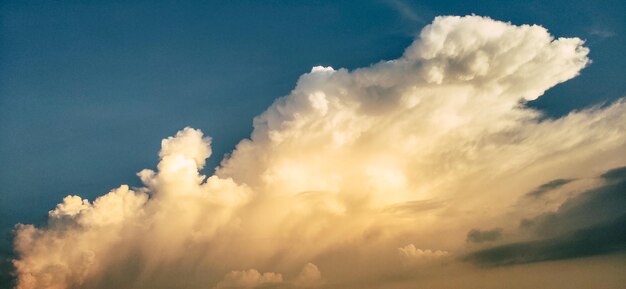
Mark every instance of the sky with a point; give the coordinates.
(384, 140)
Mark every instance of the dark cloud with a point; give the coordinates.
(591, 208)
(591, 223)
(551, 185)
(6, 267)
(481, 236)
(413, 207)
(615, 174)
(601, 239)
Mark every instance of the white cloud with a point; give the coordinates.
(248, 279)
(413, 256)
(410, 251)
(444, 124)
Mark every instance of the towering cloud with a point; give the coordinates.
(350, 167)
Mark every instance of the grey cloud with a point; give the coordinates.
(551, 185)
(615, 174)
(590, 224)
(6, 280)
(601, 239)
(481, 236)
(413, 207)
(600, 205)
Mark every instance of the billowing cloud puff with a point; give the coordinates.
(310, 276)
(249, 279)
(413, 255)
(343, 171)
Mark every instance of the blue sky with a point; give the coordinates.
(88, 89)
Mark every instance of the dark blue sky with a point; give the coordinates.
(88, 90)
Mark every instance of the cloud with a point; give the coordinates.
(598, 239)
(549, 186)
(602, 33)
(413, 258)
(310, 276)
(410, 251)
(248, 279)
(591, 223)
(480, 236)
(599, 205)
(346, 169)
(615, 174)
(406, 11)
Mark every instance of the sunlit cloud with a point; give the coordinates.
(357, 179)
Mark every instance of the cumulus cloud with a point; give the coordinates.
(343, 171)
(248, 279)
(310, 276)
(411, 252)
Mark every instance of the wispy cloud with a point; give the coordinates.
(601, 33)
(406, 11)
